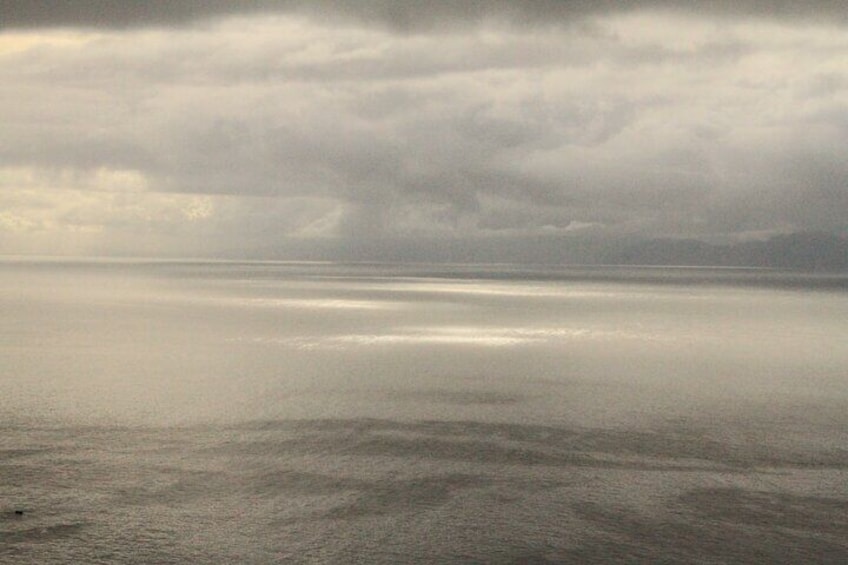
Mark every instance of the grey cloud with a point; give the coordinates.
(305, 134)
(403, 15)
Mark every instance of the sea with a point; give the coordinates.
(272, 412)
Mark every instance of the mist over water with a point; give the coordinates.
(213, 412)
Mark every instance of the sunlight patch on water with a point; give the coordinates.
(320, 303)
(309, 303)
(457, 335)
(438, 336)
(488, 288)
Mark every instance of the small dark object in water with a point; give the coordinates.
(19, 512)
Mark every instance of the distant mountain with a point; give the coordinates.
(800, 251)
(806, 251)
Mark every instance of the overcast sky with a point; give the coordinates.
(210, 127)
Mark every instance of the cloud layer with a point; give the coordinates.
(193, 129)
(402, 15)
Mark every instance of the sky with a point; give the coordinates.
(328, 130)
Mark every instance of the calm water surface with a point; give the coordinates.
(222, 412)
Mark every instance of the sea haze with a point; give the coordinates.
(214, 412)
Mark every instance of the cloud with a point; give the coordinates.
(271, 130)
(402, 15)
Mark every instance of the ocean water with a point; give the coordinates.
(168, 412)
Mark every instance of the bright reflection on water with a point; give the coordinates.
(191, 412)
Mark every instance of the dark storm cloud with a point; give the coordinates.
(396, 14)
